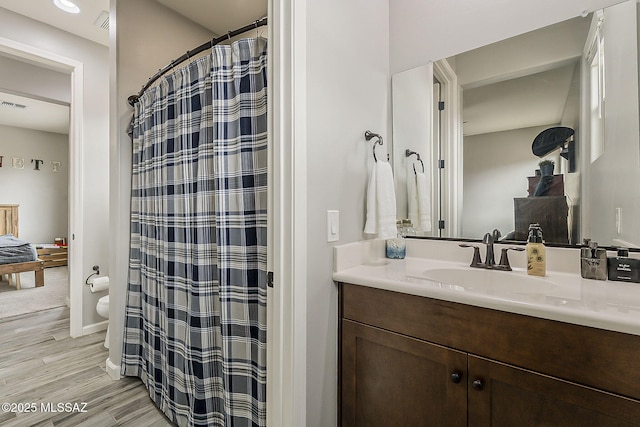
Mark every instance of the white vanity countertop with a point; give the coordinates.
(606, 305)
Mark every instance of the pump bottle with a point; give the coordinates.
(536, 252)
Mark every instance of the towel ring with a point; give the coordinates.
(368, 135)
(409, 153)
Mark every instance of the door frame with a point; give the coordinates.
(76, 71)
(287, 325)
(452, 148)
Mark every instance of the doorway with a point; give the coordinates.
(34, 144)
(74, 69)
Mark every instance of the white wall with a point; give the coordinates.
(23, 78)
(347, 93)
(612, 180)
(94, 137)
(430, 30)
(411, 110)
(149, 36)
(488, 196)
(42, 194)
(552, 47)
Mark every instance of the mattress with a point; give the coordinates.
(13, 250)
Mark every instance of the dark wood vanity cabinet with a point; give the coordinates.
(390, 379)
(414, 361)
(509, 396)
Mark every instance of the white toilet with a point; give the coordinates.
(103, 310)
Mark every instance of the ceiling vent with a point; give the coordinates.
(12, 105)
(102, 20)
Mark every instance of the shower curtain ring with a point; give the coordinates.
(229, 35)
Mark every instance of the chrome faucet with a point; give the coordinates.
(490, 261)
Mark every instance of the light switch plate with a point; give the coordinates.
(333, 226)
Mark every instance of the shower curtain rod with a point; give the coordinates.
(190, 53)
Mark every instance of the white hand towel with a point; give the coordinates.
(371, 224)
(412, 198)
(424, 201)
(381, 202)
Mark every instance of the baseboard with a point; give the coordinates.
(96, 327)
(112, 369)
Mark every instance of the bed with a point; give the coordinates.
(16, 256)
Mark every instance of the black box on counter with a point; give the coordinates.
(623, 268)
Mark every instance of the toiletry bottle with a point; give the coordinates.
(593, 261)
(536, 252)
(396, 248)
(623, 268)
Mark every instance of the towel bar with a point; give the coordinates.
(368, 135)
(409, 153)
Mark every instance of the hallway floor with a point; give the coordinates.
(44, 371)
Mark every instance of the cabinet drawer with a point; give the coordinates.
(594, 357)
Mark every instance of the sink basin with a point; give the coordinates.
(475, 279)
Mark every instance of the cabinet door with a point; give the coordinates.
(502, 395)
(388, 379)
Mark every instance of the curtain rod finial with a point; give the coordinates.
(132, 100)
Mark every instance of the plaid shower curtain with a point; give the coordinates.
(195, 326)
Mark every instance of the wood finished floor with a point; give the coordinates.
(40, 363)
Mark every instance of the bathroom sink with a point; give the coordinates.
(480, 280)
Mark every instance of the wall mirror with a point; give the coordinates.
(473, 118)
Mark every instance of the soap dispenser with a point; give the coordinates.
(536, 252)
(396, 248)
(593, 261)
